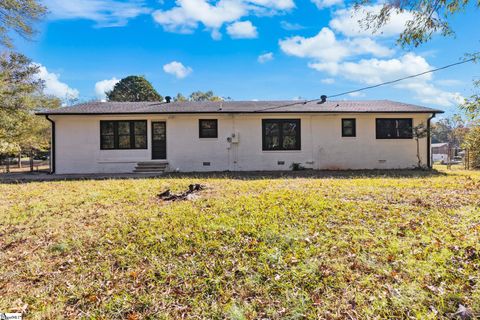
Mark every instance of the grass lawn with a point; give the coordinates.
(346, 246)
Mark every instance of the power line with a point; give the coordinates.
(404, 78)
(377, 85)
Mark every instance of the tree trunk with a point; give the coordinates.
(31, 160)
(418, 154)
(20, 160)
(8, 164)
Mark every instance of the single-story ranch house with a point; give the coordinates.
(120, 137)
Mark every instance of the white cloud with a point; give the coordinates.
(326, 48)
(106, 13)
(104, 86)
(375, 71)
(177, 69)
(186, 16)
(427, 93)
(356, 94)
(346, 21)
(321, 4)
(271, 4)
(291, 26)
(265, 57)
(53, 85)
(356, 56)
(242, 30)
(328, 81)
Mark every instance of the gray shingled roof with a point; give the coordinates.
(366, 106)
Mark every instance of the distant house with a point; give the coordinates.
(440, 152)
(101, 137)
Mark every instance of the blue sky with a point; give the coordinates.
(244, 49)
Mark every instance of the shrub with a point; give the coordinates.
(472, 143)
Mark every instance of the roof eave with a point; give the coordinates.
(228, 112)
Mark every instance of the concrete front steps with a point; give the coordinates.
(151, 167)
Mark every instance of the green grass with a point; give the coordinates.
(343, 246)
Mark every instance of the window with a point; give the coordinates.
(123, 135)
(349, 128)
(394, 128)
(281, 134)
(208, 128)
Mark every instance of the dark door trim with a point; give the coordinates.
(159, 147)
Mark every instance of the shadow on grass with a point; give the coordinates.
(16, 178)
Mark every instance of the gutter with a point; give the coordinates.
(232, 112)
(429, 142)
(52, 151)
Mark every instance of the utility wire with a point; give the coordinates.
(375, 86)
(401, 79)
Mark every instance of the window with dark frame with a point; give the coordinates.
(123, 135)
(281, 134)
(208, 128)
(349, 128)
(388, 128)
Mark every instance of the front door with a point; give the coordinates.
(159, 140)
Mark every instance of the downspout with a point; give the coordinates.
(52, 151)
(429, 142)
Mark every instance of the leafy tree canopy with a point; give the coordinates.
(18, 16)
(180, 98)
(428, 17)
(134, 89)
(18, 81)
(472, 104)
(451, 130)
(472, 143)
(204, 96)
(21, 93)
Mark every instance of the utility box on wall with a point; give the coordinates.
(234, 138)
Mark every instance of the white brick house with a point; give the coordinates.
(113, 137)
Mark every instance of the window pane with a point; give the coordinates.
(107, 128)
(272, 136)
(123, 128)
(108, 142)
(272, 142)
(348, 123)
(140, 142)
(140, 127)
(289, 143)
(289, 135)
(390, 130)
(208, 124)
(209, 133)
(348, 128)
(159, 128)
(131, 134)
(348, 131)
(290, 129)
(405, 128)
(272, 129)
(208, 129)
(281, 134)
(124, 142)
(158, 137)
(394, 129)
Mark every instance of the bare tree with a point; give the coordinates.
(419, 132)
